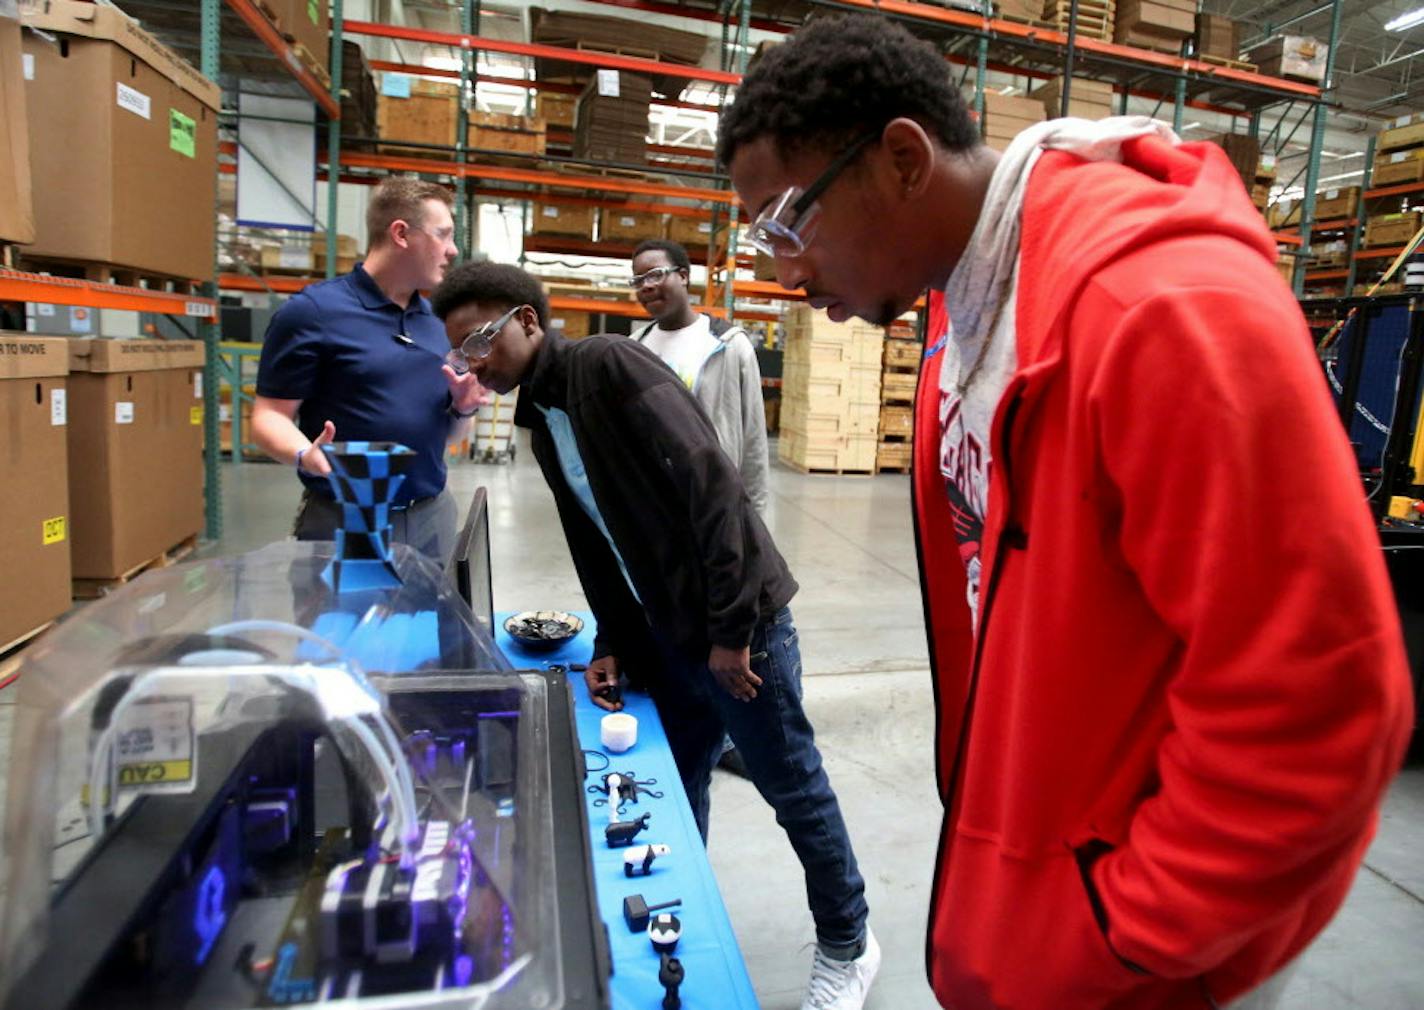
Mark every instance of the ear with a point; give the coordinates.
(529, 319)
(399, 231)
(911, 155)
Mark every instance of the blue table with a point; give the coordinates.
(716, 975)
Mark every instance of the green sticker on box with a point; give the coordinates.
(314, 11)
(182, 134)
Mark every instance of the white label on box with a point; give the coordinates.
(1332, 194)
(705, 227)
(27, 62)
(289, 258)
(58, 412)
(558, 324)
(1395, 159)
(80, 319)
(1268, 162)
(123, 412)
(1403, 120)
(224, 413)
(41, 309)
(154, 746)
(197, 385)
(135, 101)
(628, 222)
(608, 83)
(550, 211)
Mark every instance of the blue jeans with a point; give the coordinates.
(778, 745)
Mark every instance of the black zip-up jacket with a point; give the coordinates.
(703, 563)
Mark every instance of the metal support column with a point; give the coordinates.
(333, 141)
(1359, 228)
(210, 329)
(1068, 59)
(1179, 103)
(744, 28)
(462, 130)
(1317, 143)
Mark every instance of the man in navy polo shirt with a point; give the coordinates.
(361, 358)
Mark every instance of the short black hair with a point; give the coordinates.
(838, 79)
(493, 284)
(675, 251)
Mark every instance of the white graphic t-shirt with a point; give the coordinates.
(685, 351)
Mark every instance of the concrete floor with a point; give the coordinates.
(848, 541)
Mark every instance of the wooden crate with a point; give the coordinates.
(1336, 203)
(552, 219)
(898, 386)
(628, 225)
(903, 353)
(897, 421)
(830, 455)
(894, 456)
(690, 232)
(828, 416)
(1394, 167)
(1391, 229)
(556, 109)
(572, 324)
(1406, 131)
(427, 116)
(495, 131)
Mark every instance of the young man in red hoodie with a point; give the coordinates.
(1167, 705)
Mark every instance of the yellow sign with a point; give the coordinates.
(195, 415)
(155, 771)
(52, 530)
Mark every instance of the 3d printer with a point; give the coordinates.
(234, 787)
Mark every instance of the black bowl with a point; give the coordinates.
(543, 630)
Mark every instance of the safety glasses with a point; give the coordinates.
(478, 345)
(786, 226)
(653, 276)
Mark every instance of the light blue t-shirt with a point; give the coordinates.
(571, 463)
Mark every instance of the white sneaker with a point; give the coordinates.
(842, 985)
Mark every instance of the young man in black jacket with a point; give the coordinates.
(681, 575)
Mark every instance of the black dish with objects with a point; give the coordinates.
(543, 630)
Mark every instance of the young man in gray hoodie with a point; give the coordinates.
(714, 359)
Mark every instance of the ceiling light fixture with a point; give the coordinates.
(1405, 21)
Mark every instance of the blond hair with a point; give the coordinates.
(401, 199)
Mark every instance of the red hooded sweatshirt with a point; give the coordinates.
(1163, 754)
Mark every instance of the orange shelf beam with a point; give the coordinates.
(535, 177)
(281, 285)
(456, 40)
(1287, 238)
(17, 286)
(1379, 254)
(267, 33)
(1326, 275)
(1401, 190)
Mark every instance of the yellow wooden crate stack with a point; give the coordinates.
(830, 394)
(899, 375)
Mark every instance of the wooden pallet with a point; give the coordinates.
(895, 397)
(817, 471)
(891, 469)
(1222, 61)
(308, 59)
(106, 273)
(13, 652)
(92, 589)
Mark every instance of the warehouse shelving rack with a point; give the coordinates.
(234, 36)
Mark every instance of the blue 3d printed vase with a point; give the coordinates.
(364, 478)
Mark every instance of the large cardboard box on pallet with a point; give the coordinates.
(1405, 131)
(1218, 36)
(1336, 203)
(617, 225)
(1006, 116)
(135, 451)
(34, 484)
(1295, 56)
(1087, 99)
(123, 143)
(417, 111)
(1391, 229)
(495, 131)
(17, 211)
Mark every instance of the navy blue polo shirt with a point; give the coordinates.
(337, 347)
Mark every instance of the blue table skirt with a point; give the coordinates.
(716, 976)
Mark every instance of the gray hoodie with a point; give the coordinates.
(729, 389)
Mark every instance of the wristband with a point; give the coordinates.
(299, 458)
(463, 416)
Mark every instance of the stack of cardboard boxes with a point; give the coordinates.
(900, 373)
(1086, 99)
(1218, 37)
(17, 212)
(830, 393)
(611, 121)
(1006, 116)
(1162, 25)
(145, 121)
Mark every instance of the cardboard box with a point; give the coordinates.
(690, 232)
(551, 219)
(307, 23)
(1391, 229)
(897, 421)
(629, 225)
(1156, 39)
(574, 325)
(347, 253)
(556, 109)
(830, 453)
(1393, 167)
(417, 111)
(1086, 99)
(1244, 152)
(135, 451)
(1296, 56)
(1335, 203)
(292, 258)
(34, 484)
(495, 131)
(1218, 36)
(123, 144)
(1021, 10)
(894, 455)
(1162, 17)
(903, 353)
(17, 211)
